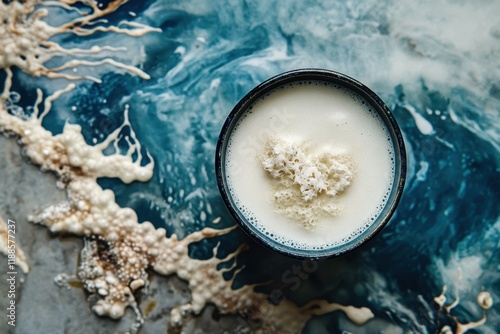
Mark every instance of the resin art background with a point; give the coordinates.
(110, 112)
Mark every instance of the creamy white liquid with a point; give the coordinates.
(326, 118)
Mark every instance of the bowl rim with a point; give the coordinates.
(311, 74)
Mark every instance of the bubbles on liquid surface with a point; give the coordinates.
(260, 226)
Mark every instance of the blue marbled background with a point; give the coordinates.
(436, 64)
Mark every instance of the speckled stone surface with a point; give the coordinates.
(51, 308)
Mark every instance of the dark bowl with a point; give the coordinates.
(330, 77)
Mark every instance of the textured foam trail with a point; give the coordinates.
(118, 249)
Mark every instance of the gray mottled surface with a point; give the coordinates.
(44, 307)
(41, 305)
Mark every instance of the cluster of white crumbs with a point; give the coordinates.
(305, 185)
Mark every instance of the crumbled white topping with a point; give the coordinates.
(305, 184)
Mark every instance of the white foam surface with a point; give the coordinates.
(326, 118)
